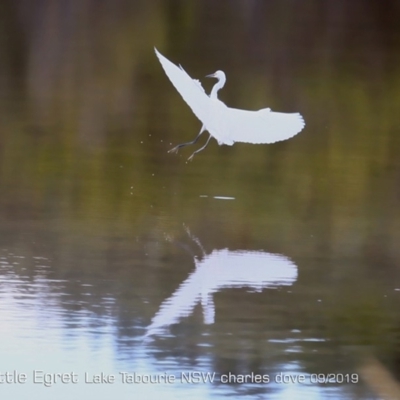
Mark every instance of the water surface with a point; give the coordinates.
(233, 275)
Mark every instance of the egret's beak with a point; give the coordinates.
(210, 76)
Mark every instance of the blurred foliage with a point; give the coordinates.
(87, 116)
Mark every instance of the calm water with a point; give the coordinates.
(253, 271)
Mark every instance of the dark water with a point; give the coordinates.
(279, 262)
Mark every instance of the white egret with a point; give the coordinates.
(228, 125)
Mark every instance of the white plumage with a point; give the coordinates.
(229, 125)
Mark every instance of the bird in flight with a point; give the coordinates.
(228, 125)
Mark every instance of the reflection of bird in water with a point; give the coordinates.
(228, 125)
(221, 269)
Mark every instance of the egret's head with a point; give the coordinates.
(219, 75)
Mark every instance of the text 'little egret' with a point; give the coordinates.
(228, 125)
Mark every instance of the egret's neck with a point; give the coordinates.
(219, 85)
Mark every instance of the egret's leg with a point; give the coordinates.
(200, 149)
(176, 148)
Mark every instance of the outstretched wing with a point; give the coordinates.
(263, 126)
(190, 90)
